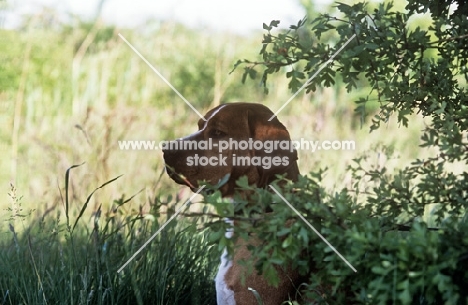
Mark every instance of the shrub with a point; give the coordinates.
(403, 231)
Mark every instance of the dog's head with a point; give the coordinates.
(236, 140)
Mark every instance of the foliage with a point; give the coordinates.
(405, 232)
(398, 257)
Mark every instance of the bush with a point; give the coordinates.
(404, 231)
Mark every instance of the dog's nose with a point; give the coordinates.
(172, 152)
(169, 155)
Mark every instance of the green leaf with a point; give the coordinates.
(257, 296)
(274, 23)
(287, 242)
(223, 181)
(270, 273)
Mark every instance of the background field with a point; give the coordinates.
(70, 92)
(69, 101)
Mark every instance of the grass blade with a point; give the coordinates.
(89, 198)
(67, 178)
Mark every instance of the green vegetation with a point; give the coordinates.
(59, 260)
(70, 92)
(404, 230)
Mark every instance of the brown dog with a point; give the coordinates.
(228, 142)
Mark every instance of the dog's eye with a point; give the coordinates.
(217, 133)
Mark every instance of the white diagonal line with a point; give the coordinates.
(161, 76)
(312, 77)
(160, 229)
(313, 229)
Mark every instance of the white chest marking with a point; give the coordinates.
(224, 295)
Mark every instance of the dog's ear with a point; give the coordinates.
(261, 129)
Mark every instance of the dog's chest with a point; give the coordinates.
(224, 295)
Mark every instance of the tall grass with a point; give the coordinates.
(54, 262)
